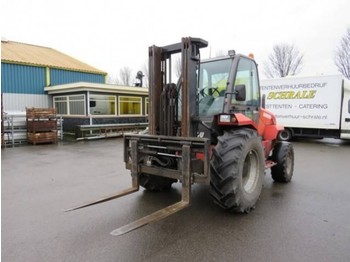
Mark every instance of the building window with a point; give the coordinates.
(147, 106)
(70, 105)
(77, 105)
(129, 105)
(102, 104)
(60, 103)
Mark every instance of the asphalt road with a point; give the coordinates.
(305, 220)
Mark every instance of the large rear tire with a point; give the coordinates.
(237, 170)
(283, 155)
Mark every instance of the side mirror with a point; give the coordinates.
(240, 92)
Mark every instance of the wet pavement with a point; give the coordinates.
(306, 220)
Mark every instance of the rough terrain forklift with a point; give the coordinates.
(209, 128)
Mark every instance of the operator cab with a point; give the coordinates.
(221, 90)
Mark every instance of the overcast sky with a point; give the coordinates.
(111, 34)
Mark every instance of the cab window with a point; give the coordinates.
(247, 75)
(212, 86)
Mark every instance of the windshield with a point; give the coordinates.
(212, 86)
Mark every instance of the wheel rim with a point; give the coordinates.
(251, 171)
(285, 135)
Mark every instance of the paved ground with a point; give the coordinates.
(306, 220)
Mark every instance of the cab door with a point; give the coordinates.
(246, 76)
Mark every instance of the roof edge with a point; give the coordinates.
(87, 86)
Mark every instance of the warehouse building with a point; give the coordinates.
(37, 76)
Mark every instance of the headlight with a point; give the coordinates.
(225, 118)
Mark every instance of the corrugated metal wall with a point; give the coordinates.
(22, 79)
(19, 102)
(23, 85)
(59, 77)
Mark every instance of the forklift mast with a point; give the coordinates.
(165, 116)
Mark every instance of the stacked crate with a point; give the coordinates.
(41, 125)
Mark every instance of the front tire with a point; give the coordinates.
(283, 155)
(237, 170)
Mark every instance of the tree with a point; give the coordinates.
(342, 56)
(283, 61)
(125, 76)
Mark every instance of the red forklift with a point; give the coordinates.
(210, 127)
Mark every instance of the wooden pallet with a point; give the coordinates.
(41, 125)
(42, 137)
(41, 113)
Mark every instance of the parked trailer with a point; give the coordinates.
(315, 106)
